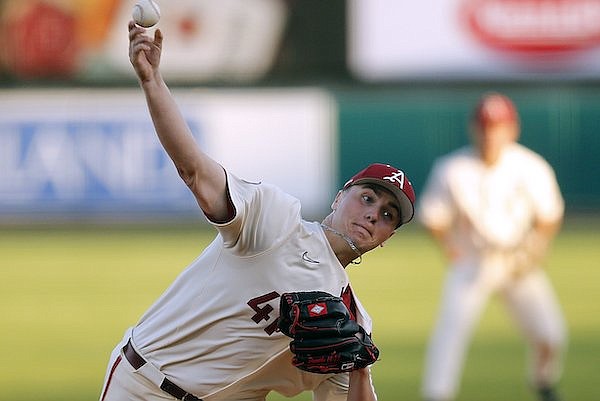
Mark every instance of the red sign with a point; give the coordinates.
(40, 40)
(535, 25)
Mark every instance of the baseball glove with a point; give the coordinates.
(325, 337)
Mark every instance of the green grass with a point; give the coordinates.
(68, 294)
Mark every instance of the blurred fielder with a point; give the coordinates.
(494, 208)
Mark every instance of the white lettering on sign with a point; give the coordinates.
(73, 161)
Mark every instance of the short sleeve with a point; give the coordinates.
(264, 215)
(434, 209)
(545, 192)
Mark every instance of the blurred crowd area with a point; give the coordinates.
(225, 41)
(288, 41)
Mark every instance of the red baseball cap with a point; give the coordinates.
(495, 108)
(392, 179)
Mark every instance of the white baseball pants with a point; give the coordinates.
(531, 303)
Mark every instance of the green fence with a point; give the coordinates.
(409, 127)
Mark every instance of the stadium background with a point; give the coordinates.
(298, 92)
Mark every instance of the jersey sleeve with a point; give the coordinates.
(545, 192)
(434, 209)
(264, 215)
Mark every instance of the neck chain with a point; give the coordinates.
(348, 241)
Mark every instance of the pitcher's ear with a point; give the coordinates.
(336, 201)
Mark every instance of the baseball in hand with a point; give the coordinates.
(146, 13)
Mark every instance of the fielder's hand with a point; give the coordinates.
(529, 254)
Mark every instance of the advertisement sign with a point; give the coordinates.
(95, 153)
(474, 39)
(205, 40)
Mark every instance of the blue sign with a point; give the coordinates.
(87, 166)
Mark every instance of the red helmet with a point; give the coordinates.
(495, 108)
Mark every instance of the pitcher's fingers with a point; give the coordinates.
(135, 30)
(158, 38)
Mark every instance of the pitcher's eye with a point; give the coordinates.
(388, 215)
(368, 195)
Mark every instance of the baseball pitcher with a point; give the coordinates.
(268, 305)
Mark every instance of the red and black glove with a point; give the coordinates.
(325, 338)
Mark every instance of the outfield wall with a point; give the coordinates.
(410, 127)
(92, 154)
(81, 154)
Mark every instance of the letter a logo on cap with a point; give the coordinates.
(398, 177)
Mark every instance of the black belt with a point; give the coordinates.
(167, 385)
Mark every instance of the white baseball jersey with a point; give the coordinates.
(487, 211)
(490, 207)
(212, 331)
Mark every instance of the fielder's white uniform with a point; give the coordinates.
(488, 211)
(213, 330)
